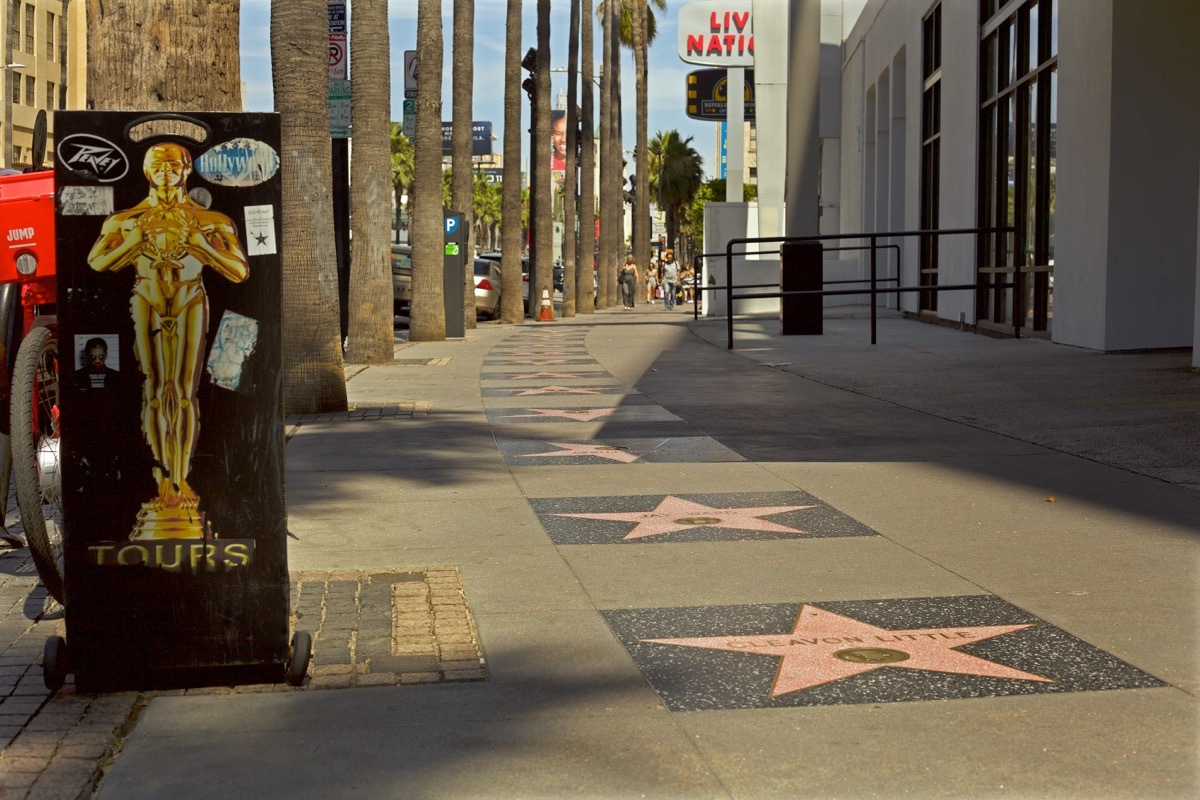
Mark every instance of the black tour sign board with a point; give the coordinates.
(170, 397)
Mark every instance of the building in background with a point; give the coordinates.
(45, 69)
(1076, 124)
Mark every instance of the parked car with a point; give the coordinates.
(401, 279)
(496, 257)
(487, 288)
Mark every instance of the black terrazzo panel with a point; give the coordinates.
(699, 679)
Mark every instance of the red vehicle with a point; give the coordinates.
(29, 382)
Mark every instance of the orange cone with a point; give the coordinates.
(547, 314)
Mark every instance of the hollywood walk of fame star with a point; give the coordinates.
(556, 390)
(537, 363)
(676, 514)
(530, 375)
(598, 450)
(584, 415)
(823, 647)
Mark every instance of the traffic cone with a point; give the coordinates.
(547, 314)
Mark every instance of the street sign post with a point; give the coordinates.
(410, 74)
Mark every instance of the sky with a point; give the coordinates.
(667, 74)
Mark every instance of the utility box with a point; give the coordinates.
(801, 265)
(170, 398)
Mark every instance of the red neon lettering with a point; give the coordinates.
(741, 19)
(695, 44)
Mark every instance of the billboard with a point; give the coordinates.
(481, 138)
(717, 33)
(708, 94)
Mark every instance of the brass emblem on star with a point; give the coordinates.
(697, 521)
(871, 655)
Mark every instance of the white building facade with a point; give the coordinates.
(1076, 123)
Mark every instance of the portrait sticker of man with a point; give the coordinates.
(99, 361)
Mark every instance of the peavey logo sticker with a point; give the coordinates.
(87, 153)
(240, 162)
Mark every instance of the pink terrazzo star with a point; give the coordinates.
(587, 415)
(556, 390)
(824, 647)
(598, 450)
(675, 514)
(530, 375)
(537, 362)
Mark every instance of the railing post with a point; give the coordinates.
(874, 286)
(729, 293)
(1018, 310)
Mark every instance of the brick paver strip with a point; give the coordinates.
(396, 627)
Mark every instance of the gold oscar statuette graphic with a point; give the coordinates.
(169, 239)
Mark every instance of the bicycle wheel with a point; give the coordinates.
(35, 454)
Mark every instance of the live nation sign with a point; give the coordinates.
(716, 33)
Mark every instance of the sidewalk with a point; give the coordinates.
(943, 566)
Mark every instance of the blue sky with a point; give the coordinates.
(667, 74)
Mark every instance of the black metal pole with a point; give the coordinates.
(341, 225)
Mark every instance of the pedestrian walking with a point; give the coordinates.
(670, 277)
(651, 282)
(628, 280)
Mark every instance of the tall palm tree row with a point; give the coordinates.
(510, 265)
(460, 142)
(370, 334)
(313, 375)
(428, 320)
(676, 172)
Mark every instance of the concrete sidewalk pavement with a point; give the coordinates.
(945, 566)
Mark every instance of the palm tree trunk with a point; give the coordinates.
(543, 211)
(164, 56)
(370, 333)
(510, 212)
(609, 203)
(641, 194)
(584, 288)
(314, 378)
(570, 185)
(462, 183)
(428, 320)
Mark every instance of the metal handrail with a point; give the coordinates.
(874, 290)
(696, 260)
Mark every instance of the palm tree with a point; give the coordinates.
(148, 56)
(313, 375)
(676, 172)
(609, 201)
(428, 321)
(570, 183)
(402, 168)
(586, 258)
(510, 265)
(638, 29)
(370, 333)
(543, 195)
(486, 209)
(460, 143)
(641, 200)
